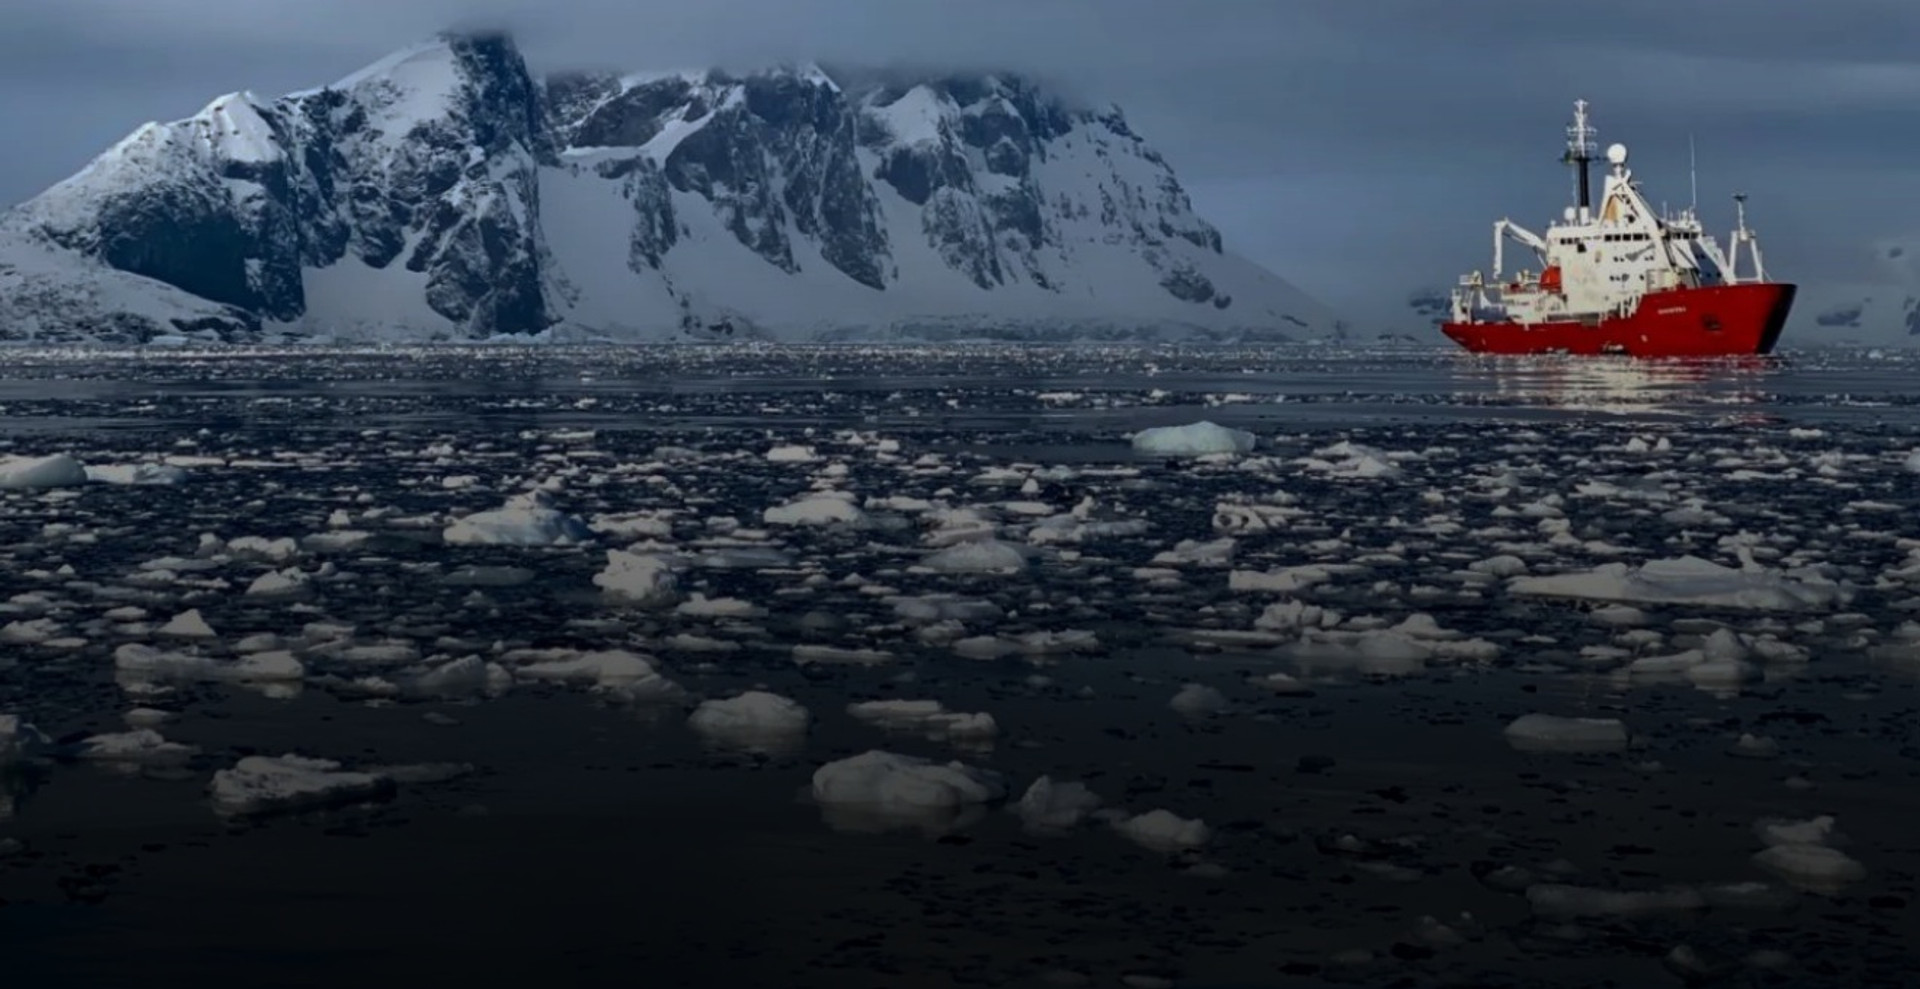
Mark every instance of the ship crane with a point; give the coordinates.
(1620, 277)
(1743, 235)
(1507, 228)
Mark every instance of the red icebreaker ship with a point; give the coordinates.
(1621, 280)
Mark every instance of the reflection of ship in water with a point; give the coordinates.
(1623, 386)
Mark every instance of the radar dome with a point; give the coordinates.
(1569, 214)
(1617, 154)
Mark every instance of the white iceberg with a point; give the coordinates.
(1199, 439)
(1687, 580)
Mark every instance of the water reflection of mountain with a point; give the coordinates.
(1626, 386)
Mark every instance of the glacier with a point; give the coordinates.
(446, 193)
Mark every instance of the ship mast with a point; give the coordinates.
(1580, 147)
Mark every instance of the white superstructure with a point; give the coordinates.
(1599, 262)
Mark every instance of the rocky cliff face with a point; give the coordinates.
(444, 192)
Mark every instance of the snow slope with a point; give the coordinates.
(444, 193)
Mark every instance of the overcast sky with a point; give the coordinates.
(1360, 148)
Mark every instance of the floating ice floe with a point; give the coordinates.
(792, 454)
(58, 471)
(1247, 517)
(1196, 553)
(1351, 460)
(1563, 900)
(1688, 580)
(639, 579)
(1816, 868)
(136, 474)
(1284, 580)
(187, 625)
(818, 655)
(526, 520)
(289, 583)
(1050, 807)
(878, 791)
(614, 669)
(1552, 733)
(978, 556)
(463, 677)
(1165, 832)
(274, 784)
(755, 721)
(701, 606)
(820, 508)
(19, 740)
(1802, 854)
(930, 718)
(143, 746)
(147, 662)
(1194, 440)
(1198, 701)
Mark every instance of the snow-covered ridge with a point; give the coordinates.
(446, 193)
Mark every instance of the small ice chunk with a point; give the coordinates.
(792, 453)
(1193, 552)
(1194, 440)
(929, 717)
(979, 556)
(526, 520)
(1557, 899)
(1164, 831)
(1373, 652)
(1285, 580)
(1348, 459)
(1552, 733)
(985, 647)
(1198, 701)
(639, 579)
(263, 549)
(289, 583)
(187, 625)
(454, 678)
(819, 508)
(1283, 684)
(1500, 566)
(58, 471)
(1049, 806)
(1687, 580)
(808, 655)
(142, 745)
(1812, 867)
(755, 721)
(631, 672)
(19, 740)
(1776, 831)
(270, 784)
(880, 790)
(701, 606)
(136, 474)
(1751, 746)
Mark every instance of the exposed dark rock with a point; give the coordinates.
(443, 178)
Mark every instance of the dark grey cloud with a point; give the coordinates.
(1357, 146)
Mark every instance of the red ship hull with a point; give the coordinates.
(1711, 321)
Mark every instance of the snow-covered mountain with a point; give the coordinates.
(445, 193)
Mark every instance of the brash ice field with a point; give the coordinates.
(941, 666)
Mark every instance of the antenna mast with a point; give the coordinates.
(1693, 178)
(1580, 148)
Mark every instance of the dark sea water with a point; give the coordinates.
(1379, 829)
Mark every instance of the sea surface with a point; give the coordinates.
(1369, 819)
